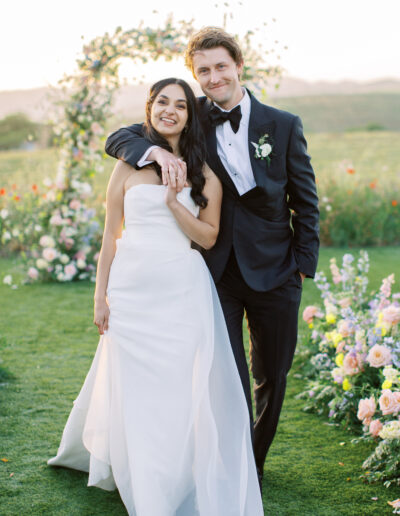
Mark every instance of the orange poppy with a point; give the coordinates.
(2, 191)
(394, 202)
(34, 188)
(350, 170)
(372, 184)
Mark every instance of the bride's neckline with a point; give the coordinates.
(149, 184)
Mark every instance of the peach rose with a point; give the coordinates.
(379, 356)
(345, 302)
(345, 328)
(49, 254)
(396, 396)
(375, 427)
(366, 408)
(388, 402)
(309, 313)
(391, 314)
(351, 364)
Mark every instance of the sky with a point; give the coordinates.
(326, 40)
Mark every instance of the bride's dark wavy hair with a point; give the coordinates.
(191, 142)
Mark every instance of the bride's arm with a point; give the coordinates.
(112, 231)
(204, 230)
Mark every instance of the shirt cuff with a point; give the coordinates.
(143, 160)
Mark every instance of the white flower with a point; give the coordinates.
(328, 207)
(4, 213)
(7, 279)
(70, 231)
(325, 199)
(41, 263)
(38, 228)
(47, 241)
(64, 259)
(61, 276)
(265, 149)
(81, 264)
(15, 232)
(6, 236)
(390, 431)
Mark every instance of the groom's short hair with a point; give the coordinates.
(212, 37)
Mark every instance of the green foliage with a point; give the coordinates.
(16, 130)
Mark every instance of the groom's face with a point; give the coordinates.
(218, 76)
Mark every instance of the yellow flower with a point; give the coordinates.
(311, 326)
(339, 359)
(346, 385)
(387, 384)
(330, 318)
(337, 337)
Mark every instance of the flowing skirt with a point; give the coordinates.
(162, 415)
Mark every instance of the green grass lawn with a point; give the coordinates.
(47, 341)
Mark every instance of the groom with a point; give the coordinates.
(268, 240)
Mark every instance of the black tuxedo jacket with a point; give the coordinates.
(272, 228)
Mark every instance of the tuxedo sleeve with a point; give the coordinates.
(128, 144)
(303, 200)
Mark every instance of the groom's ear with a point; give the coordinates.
(239, 68)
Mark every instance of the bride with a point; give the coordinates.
(162, 414)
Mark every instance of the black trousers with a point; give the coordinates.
(272, 321)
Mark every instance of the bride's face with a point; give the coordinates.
(169, 112)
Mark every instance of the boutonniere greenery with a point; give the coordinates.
(263, 148)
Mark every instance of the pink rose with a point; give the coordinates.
(75, 204)
(70, 270)
(309, 313)
(340, 346)
(366, 408)
(33, 273)
(351, 364)
(391, 314)
(345, 328)
(345, 302)
(80, 255)
(388, 402)
(375, 427)
(367, 421)
(379, 356)
(49, 254)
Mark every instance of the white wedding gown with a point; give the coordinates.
(162, 414)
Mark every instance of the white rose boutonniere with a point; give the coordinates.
(263, 148)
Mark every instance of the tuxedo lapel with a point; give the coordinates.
(214, 160)
(259, 125)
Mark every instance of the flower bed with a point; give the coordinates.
(352, 361)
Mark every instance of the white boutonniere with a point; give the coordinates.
(263, 148)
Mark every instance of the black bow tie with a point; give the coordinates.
(219, 117)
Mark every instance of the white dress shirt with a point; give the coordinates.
(232, 148)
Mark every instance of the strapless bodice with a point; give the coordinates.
(149, 223)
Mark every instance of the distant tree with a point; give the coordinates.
(16, 130)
